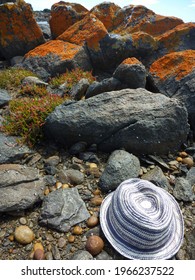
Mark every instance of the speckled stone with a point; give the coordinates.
(24, 235)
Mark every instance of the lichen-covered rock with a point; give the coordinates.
(55, 57)
(89, 30)
(135, 119)
(132, 73)
(139, 18)
(180, 38)
(63, 15)
(19, 31)
(174, 76)
(107, 13)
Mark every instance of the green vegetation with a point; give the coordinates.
(12, 77)
(71, 78)
(32, 91)
(27, 116)
(28, 111)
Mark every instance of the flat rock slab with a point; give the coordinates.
(135, 119)
(13, 174)
(62, 209)
(20, 187)
(10, 150)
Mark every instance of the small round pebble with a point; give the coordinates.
(183, 154)
(77, 230)
(24, 235)
(48, 256)
(39, 255)
(92, 221)
(23, 221)
(37, 246)
(94, 245)
(188, 161)
(96, 200)
(61, 242)
(71, 238)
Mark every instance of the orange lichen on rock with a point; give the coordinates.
(131, 61)
(141, 39)
(106, 12)
(62, 49)
(89, 30)
(18, 28)
(139, 18)
(176, 64)
(63, 15)
(173, 38)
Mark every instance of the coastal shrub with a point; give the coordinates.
(71, 78)
(12, 77)
(32, 91)
(27, 115)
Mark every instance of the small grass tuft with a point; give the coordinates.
(71, 78)
(12, 77)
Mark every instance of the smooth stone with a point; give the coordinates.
(71, 176)
(94, 245)
(23, 221)
(24, 235)
(61, 242)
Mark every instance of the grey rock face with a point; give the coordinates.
(79, 90)
(183, 190)
(20, 187)
(4, 97)
(134, 119)
(10, 151)
(120, 166)
(103, 86)
(157, 177)
(68, 211)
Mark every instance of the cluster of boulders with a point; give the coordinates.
(138, 49)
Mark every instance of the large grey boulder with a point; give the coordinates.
(174, 75)
(134, 119)
(20, 187)
(62, 209)
(121, 166)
